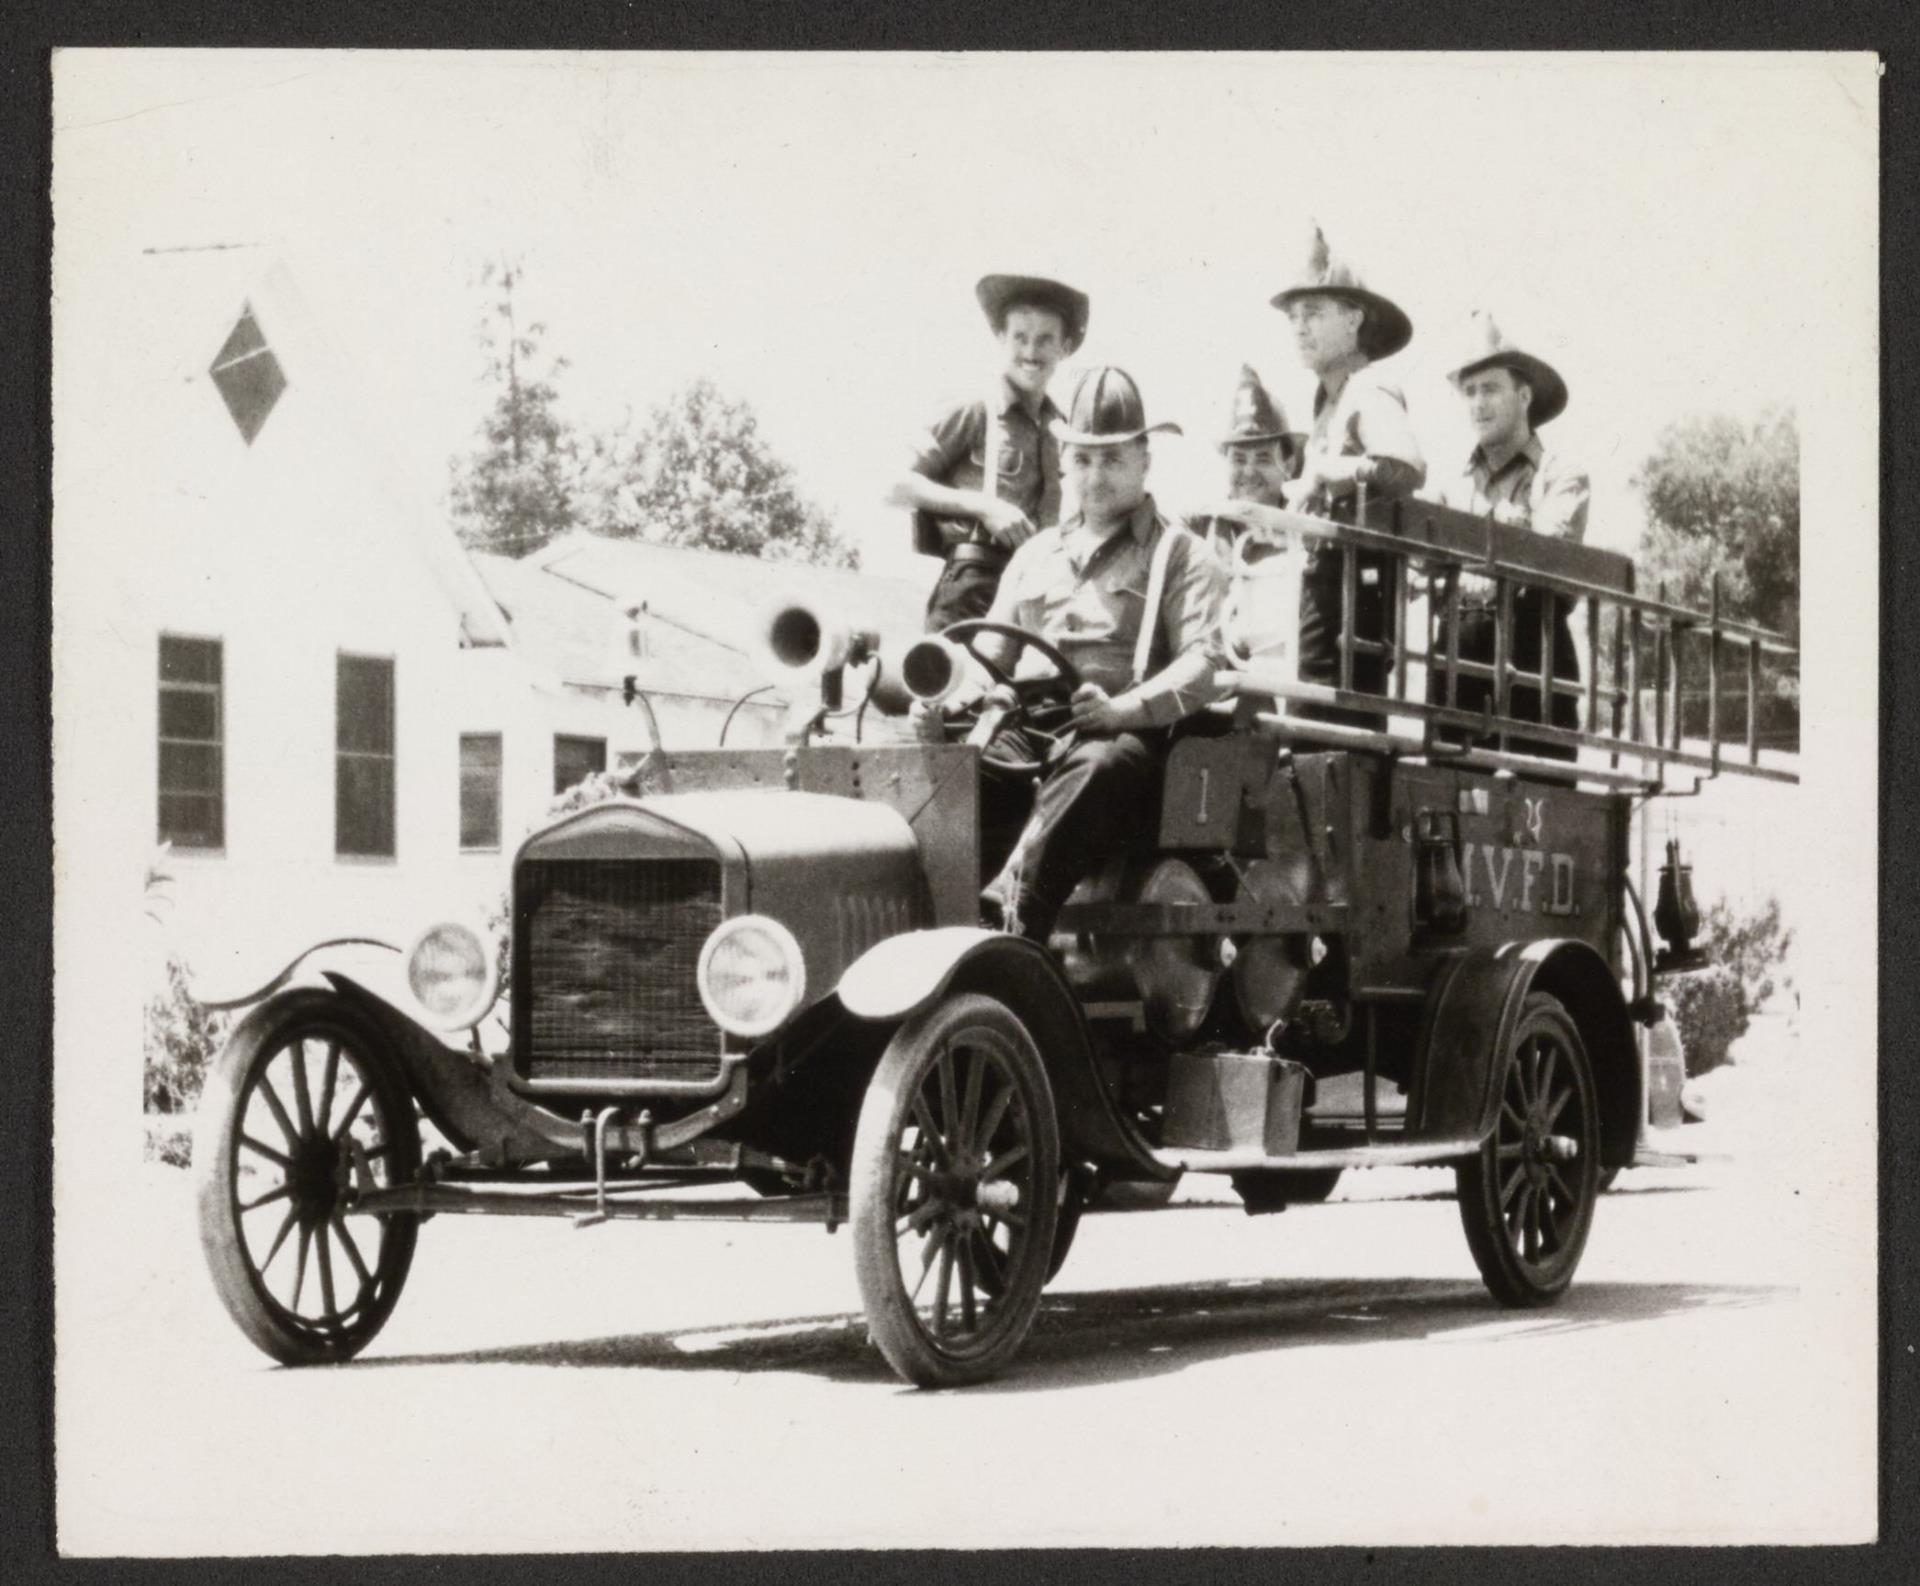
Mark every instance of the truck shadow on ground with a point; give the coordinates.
(1094, 1337)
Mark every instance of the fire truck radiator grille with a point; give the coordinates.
(608, 953)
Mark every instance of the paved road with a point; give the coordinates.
(1332, 1373)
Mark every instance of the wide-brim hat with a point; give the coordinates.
(1386, 328)
(998, 293)
(1107, 410)
(1255, 416)
(1487, 348)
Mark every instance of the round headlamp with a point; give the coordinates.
(453, 974)
(751, 975)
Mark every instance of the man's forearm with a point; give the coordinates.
(1387, 476)
(925, 495)
(1185, 684)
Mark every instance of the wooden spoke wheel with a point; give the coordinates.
(299, 1107)
(955, 1192)
(1527, 1197)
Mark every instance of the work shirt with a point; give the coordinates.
(1086, 592)
(952, 452)
(1367, 419)
(1550, 493)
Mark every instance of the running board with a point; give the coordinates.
(1252, 1161)
(636, 1202)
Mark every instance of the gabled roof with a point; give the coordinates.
(703, 609)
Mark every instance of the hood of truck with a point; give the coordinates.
(840, 873)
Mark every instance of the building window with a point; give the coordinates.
(576, 759)
(363, 757)
(248, 376)
(192, 738)
(480, 790)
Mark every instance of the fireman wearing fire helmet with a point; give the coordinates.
(1513, 477)
(1361, 436)
(1133, 601)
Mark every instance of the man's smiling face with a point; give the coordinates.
(1034, 340)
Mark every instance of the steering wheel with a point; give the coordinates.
(1040, 703)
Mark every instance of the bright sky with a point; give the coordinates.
(807, 230)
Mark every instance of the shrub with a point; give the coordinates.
(181, 1040)
(1713, 1006)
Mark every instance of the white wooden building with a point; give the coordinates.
(336, 720)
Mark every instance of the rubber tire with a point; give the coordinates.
(891, 1319)
(1506, 1275)
(1073, 1204)
(1610, 1177)
(222, 1241)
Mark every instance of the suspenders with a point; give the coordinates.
(1156, 590)
(990, 448)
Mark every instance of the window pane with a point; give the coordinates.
(363, 806)
(190, 761)
(575, 759)
(190, 768)
(189, 820)
(190, 713)
(189, 660)
(480, 790)
(365, 714)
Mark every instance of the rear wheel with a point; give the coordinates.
(295, 1109)
(1527, 1196)
(955, 1192)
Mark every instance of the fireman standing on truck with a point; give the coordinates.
(1133, 601)
(986, 476)
(1262, 453)
(1514, 478)
(1361, 436)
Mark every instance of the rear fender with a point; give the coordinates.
(896, 978)
(1472, 1016)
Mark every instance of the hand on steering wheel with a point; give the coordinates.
(1038, 702)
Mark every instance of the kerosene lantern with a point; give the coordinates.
(1675, 913)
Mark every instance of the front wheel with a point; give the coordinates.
(955, 1192)
(297, 1108)
(1527, 1196)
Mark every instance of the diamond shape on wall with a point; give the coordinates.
(248, 376)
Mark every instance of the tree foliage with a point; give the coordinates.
(1723, 497)
(517, 489)
(699, 473)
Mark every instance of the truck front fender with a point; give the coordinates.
(1470, 1019)
(896, 978)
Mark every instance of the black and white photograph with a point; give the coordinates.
(963, 801)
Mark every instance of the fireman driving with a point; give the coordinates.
(1124, 607)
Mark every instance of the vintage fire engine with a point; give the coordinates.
(757, 987)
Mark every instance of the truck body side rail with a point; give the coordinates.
(1638, 649)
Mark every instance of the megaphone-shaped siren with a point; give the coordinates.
(931, 671)
(798, 644)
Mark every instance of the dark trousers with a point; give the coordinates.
(1477, 629)
(964, 590)
(1039, 842)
